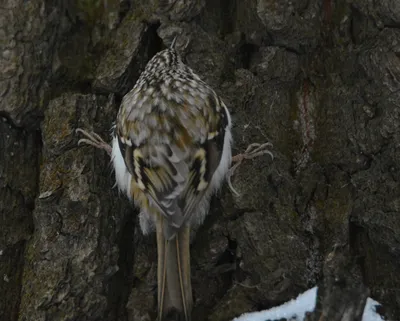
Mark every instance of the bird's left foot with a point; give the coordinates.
(93, 139)
(253, 150)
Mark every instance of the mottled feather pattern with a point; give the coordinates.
(173, 135)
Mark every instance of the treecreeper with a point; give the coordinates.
(171, 150)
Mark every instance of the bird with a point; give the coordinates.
(171, 151)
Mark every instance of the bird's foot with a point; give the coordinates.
(93, 139)
(253, 150)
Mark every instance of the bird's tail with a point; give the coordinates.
(173, 275)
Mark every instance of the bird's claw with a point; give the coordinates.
(93, 139)
(253, 150)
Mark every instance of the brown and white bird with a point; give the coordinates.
(171, 150)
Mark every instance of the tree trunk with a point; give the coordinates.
(320, 80)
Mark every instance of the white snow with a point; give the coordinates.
(294, 308)
(297, 308)
(369, 311)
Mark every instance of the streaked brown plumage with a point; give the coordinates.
(171, 150)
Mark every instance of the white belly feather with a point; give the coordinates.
(122, 175)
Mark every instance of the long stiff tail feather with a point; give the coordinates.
(175, 300)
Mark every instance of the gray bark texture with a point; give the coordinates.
(319, 79)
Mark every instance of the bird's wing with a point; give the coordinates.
(173, 148)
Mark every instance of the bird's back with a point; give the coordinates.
(172, 125)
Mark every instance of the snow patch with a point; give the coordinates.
(297, 308)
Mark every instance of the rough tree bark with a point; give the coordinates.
(342, 294)
(318, 79)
